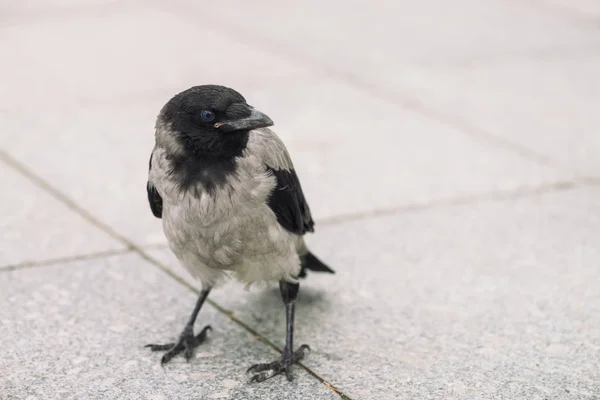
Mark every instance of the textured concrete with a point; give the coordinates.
(368, 39)
(448, 151)
(37, 227)
(108, 65)
(583, 9)
(78, 330)
(497, 300)
(547, 103)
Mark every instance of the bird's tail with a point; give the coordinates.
(311, 262)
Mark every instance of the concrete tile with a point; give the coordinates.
(34, 5)
(368, 39)
(36, 227)
(98, 156)
(495, 300)
(353, 153)
(588, 8)
(77, 331)
(547, 105)
(134, 50)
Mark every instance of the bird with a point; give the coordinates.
(231, 204)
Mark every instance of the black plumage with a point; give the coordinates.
(156, 202)
(289, 204)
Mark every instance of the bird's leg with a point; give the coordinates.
(187, 341)
(289, 292)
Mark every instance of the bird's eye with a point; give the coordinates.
(207, 115)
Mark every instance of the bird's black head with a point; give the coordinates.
(211, 120)
(203, 129)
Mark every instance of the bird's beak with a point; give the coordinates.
(255, 120)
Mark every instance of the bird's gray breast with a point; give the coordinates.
(217, 226)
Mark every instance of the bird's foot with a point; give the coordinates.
(187, 343)
(277, 367)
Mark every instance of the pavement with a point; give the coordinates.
(448, 150)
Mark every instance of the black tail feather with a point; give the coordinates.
(311, 262)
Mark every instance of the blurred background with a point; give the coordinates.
(448, 151)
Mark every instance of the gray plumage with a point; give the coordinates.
(231, 204)
(231, 230)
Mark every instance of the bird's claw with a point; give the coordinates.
(284, 365)
(187, 343)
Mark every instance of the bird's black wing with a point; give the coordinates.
(288, 203)
(156, 202)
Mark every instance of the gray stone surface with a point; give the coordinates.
(497, 300)
(146, 51)
(370, 39)
(546, 104)
(114, 155)
(587, 9)
(489, 299)
(33, 6)
(36, 227)
(77, 331)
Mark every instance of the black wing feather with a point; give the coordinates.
(288, 203)
(156, 202)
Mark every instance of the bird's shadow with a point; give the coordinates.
(269, 302)
(306, 296)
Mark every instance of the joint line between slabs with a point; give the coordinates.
(67, 259)
(44, 185)
(518, 193)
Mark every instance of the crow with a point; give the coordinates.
(231, 205)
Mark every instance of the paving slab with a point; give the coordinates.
(131, 51)
(586, 8)
(369, 39)
(77, 331)
(37, 227)
(491, 300)
(33, 6)
(547, 105)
